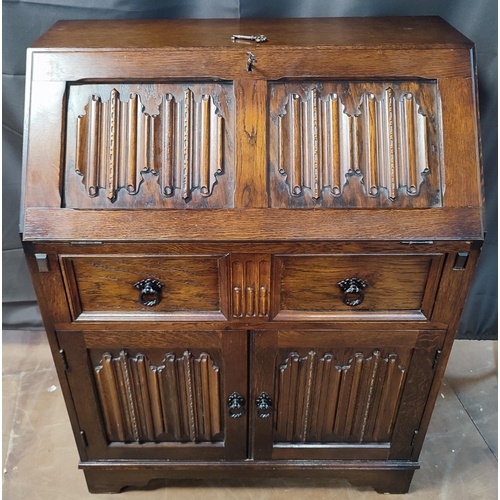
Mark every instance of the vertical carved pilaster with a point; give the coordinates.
(113, 145)
(187, 144)
(292, 141)
(335, 124)
(390, 147)
(155, 402)
(393, 384)
(315, 181)
(370, 139)
(205, 145)
(93, 159)
(250, 285)
(107, 385)
(142, 390)
(132, 181)
(168, 145)
(369, 397)
(411, 159)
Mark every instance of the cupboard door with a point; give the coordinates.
(339, 394)
(161, 395)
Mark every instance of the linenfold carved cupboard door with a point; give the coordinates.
(157, 394)
(340, 394)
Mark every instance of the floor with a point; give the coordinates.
(459, 459)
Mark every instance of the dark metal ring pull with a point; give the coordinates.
(236, 403)
(353, 291)
(149, 292)
(264, 405)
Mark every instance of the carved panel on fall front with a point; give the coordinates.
(250, 279)
(177, 400)
(339, 144)
(339, 396)
(148, 146)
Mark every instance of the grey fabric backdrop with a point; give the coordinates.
(24, 21)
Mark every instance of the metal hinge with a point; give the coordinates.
(64, 360)
(42, 261)
(417, 242)
(84, 439)
(436, 358)
(461, 261)
(86, 243)
(413, 439)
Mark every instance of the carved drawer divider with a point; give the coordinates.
(250, 285)
(376, 132)
(118, 142)
(320, 399)
(177, 400)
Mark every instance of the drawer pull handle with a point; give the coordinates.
(353, 291)
(149, 292)
(236, 403)
(264, 405)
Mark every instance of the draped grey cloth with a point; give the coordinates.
(25, 21)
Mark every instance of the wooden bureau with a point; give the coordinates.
(251, 256)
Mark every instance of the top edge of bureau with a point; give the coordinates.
(377, 33)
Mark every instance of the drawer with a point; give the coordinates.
(144, 287)
(376, 286)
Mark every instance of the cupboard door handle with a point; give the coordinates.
(236, 403)
(264, 405)
(149, 292)
(353, 291)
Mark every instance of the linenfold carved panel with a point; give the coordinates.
(354, 145)
(177, 400)
(335, 396)
(134, 140)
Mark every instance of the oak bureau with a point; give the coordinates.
(251, 240)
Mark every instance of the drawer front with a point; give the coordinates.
(125, 287)
(379, 286)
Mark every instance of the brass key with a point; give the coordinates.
(254, 38)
